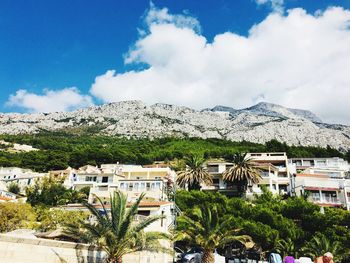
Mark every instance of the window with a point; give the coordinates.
(155, 186)
(264, 174)
(105, 179)
(142, 186)
(329, 196)
(321, 163)
(315, 196)
(213, 168)
(124, 186)
(144, 212)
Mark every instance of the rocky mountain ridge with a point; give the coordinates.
(259, 123)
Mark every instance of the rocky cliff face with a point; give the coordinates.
(259, 123)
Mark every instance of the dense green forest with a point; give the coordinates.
(60, 150)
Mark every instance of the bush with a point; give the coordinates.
(16, 215)
(13, 188)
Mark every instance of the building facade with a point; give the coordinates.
(273, 167)
(22, 177)
(324, 181)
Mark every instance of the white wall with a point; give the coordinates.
(20, 250)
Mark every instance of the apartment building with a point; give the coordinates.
(333, 167)
(323, 190)
(131, 179)
(325, 181)
(276, 171)
(273, 168)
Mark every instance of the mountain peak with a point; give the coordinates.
(270, 109)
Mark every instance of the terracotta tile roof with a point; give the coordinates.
(5, 198)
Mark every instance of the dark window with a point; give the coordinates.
(213, 168)
(105, 179)
(144, 213)
(216, 181)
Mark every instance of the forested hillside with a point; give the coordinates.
(60, 150)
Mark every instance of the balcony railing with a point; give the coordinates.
(326, 199)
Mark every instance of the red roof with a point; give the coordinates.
(5, 198)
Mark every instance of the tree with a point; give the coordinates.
(286, 248)
(72, 196)
(320, 244)
(52, 219)
(117, 232)
(13, 188)
(47, 190)
(16, 215)
(195, 173)
(169, 188)
(205, 228)
(243, 172)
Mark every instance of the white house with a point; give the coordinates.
(20, 176)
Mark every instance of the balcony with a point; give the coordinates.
(325, 199)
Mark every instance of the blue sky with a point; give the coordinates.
(49, 46)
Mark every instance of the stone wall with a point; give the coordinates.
(26, 250)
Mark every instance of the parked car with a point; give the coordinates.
(194, 255)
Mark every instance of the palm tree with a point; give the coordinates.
(286, 248)
(72, 196)
(195, 173)
(244, 172)
(117, 232)
(320, 244)
(205, 229)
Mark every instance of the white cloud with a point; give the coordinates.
(276, 5)
(161, 16)
(297, 60)
(66, 99)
